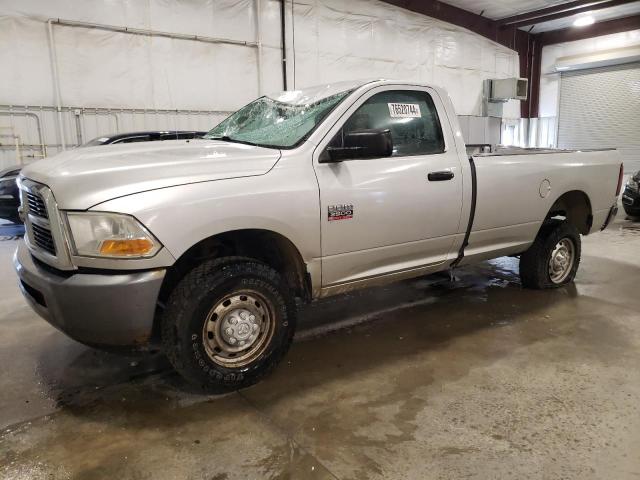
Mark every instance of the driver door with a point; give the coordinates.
(388, 216)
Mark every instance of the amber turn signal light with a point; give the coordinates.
(126, 248)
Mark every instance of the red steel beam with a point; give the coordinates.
(448, 13)
(533, 100)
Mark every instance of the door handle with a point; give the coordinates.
(440, 176)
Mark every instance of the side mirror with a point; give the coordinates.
(372, 143)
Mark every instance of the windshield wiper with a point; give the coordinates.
(226, 138)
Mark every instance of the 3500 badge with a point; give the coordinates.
(340, 212)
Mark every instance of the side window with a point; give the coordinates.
(411, 117)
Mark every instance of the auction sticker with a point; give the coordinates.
(404, 110)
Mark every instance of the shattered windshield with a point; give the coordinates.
(280, 122)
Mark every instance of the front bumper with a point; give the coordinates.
(631, 201)
(115, 310)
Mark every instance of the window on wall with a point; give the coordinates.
(411, 117)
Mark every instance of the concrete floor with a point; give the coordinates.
(421, 380)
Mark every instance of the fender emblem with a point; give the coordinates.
(340, 212)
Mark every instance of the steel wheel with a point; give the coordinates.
(561, 260)
(238, 329)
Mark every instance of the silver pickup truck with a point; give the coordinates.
(204, 245)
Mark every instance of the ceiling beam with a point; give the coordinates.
(548, 11)
(528, 47)
(448, 13)
(568, 13)
(598, 29)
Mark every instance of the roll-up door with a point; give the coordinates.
(600, 108)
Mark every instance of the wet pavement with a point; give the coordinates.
(425, 379)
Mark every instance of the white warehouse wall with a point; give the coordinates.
(328, 40)
(344, 40)
(550, 80)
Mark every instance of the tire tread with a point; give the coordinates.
(534, 270)
(195, 285)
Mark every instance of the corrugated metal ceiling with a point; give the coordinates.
(599, 15)
(497, 9)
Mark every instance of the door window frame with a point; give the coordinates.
(449, 141)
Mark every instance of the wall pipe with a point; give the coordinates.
(259, 43)
(84, 112)
(56, 82)
(284, 44)
(16, 139)
(135, 31)
(108, 110)
(76, 115)
(293, 43)
(8, 110)
(150, 33)
(18, 151)
(43, 148)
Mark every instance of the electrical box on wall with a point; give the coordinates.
(508, 89)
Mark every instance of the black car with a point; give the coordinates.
(631, 196)
(10, 198)
(153, 136)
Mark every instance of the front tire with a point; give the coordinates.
(553, 259)
(228, 323)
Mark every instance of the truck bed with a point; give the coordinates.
(502, 151)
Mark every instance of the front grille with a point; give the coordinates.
(36, 206)
(42, 238)
(45, 234)
(37, 221)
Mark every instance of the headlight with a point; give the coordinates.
(95, 234)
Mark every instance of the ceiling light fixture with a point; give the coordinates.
(583, 21)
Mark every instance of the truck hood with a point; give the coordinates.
(84, 177)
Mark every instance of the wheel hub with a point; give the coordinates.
(240, 328)
(561, 261)
(237, 329)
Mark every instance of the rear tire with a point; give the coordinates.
(228, 323)
(553, 259)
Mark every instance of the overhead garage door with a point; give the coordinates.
(600, 108)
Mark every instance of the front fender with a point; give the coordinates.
(184, 215)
